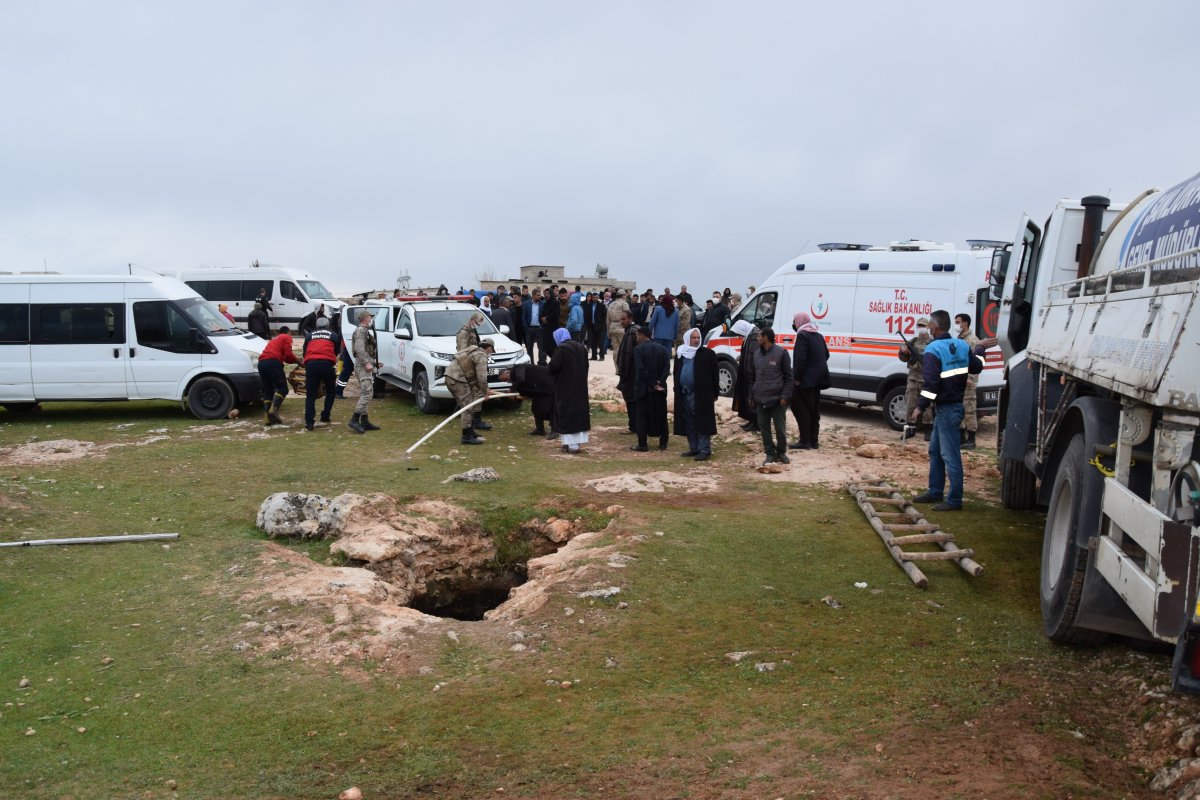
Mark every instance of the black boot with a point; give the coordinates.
(469, 436)
(356, 425)
(366, 424)
(273, 410)
(478, 422)
(968, 441)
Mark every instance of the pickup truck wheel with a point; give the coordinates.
(1074, 506)
(894, 407)
(425, 401)
(210, 398)
(21, 408)
(726, 377)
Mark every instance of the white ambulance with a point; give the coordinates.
(865, 300)
(293, 293)
(120, 337)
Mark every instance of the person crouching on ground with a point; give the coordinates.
(770, 376)
(810, 374)
(320, 354)
(466, 378)
(270, 371)
(944, 369)
(696, 383)
(536, 383)
(572, 414)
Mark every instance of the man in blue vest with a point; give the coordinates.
(945, 365)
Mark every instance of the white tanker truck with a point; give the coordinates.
(1100, 327)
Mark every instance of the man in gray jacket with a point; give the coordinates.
(770, 374)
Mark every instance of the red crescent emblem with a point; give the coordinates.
(819, 308)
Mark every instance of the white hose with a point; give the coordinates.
(133, 537)
(446, 421)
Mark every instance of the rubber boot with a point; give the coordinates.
(469, 436)
(478, 422)
(273, 410)
(355, 424)
(968, 441)
(366, 424)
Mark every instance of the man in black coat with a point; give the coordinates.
(810, 374)
(627, 370)
(697, 387)
(715, 317)
(551, 320)
(536, 383)
(651, 365)
(595, 320)
(502, 316)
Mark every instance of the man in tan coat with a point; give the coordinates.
(616, 332)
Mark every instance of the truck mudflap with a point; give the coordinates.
(1185, 667)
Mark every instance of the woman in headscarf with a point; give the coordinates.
(741, 401)
(696, 390)
(485, 304)
(664, 323)
(810, 371)
(569, 366)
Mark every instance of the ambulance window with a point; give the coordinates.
(760, 312)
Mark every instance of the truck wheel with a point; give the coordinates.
(425, 401)
(894, 407)
(726, 378)
(210, 398)
(1074, 507)
(1018, 486)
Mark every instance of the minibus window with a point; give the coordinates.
(316, 290)
(158, 324)
(220, 291)
(250, 289)
(291, 291)
(79, 324)
(14, 323)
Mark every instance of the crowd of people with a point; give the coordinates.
(657, 348)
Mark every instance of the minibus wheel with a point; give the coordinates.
(210, 398)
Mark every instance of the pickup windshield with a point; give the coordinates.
(447, 323)
(316, 290)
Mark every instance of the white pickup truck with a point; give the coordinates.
(416, 344)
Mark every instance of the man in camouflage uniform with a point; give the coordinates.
(970, 423)
(364, 350)
(616, 331)
(467, 335)
(912, 353)
(466, 378)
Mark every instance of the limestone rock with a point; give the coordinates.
(872, 450)
(477, 475)
(305, 516)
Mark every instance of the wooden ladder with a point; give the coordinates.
(903, 518)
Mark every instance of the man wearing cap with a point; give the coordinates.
(364, 350)
(321, 348)
(466, 378)
(467, 335)
(911, 352)
(616, 326)
(970, 423)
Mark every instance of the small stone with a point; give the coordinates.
(518, 648)
(452, 636)
(622, 605)
(30, 731)
(342, 614)
(565, 685)
(872, 451)
(738, 655)
(172, 784)
(551, 682)
(830, 601)
(353, 793)
(610, 662)
(568, 611)
(765, 666)
(24, 683)
(106, 660)
(879, 747)
(860, 584)
(81, 730)
(425, 671)
(241, 647)
(659, 533)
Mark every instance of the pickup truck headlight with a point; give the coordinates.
(442, 356)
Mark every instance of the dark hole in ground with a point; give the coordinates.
(469, 599)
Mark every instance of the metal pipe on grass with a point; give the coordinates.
(446, 421)
(133, 537)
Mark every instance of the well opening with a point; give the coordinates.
(470, 598)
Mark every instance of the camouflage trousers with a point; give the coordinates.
(970, 418)
(366, 388)
(911, 393)
(464, 394)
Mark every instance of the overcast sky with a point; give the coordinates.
(704, 143)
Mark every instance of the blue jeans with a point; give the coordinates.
(697, 442)
(945, 458)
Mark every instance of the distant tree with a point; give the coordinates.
(484, 276)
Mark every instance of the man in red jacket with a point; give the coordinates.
(321, 348)
(270, 371)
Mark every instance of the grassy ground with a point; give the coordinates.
(134, 684)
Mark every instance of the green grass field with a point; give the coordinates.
(134, 683)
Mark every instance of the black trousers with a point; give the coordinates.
(270, 372)
(651, 418)
(548, 344)
(318, 373)
(806, 408)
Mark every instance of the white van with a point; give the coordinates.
(120, 337)
(865, 300)
(293, 293)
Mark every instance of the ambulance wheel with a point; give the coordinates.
(421, 394)
(1074, 512)
(210, 398)
(894, 407)
(726, 378)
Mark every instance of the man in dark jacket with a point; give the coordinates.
(715, 317)
(308, 323)
(945, 366)
(536, 383)
(257, 322)
(321, 348)
(651, 365)
(515, 307)
(595, 320)
(810, 374)
(502, 316)
(770, 374)
(551, 320)
(626, 369)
